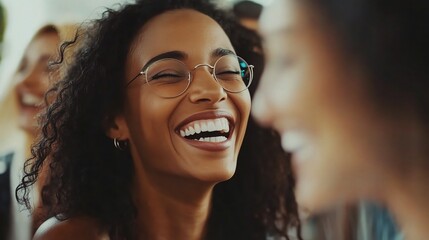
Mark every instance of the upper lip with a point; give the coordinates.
(207, 115)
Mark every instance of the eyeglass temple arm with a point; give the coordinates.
(132, 80)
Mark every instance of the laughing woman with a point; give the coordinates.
(144, 136)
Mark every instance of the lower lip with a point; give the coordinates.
(29, 109)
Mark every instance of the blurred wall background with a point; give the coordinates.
(24, 17)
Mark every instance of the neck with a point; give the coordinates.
(409, 203)
(171, 207)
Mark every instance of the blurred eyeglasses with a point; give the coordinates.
(170, 77)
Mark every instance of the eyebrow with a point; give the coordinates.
(219, 52)
(172, 54)
(179, 55)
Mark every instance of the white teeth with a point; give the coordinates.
(31, 99)
(207, 125)
(211, 126)
(293, 140)
(197, 128)
(213, 139)
(191, 131)
(203, 126)
(299, 144)
(218, 124)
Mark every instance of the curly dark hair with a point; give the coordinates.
(247, 9)
(89, 176)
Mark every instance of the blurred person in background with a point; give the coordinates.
(146, 135)
(21, 26)
(346, 86)
(5, 158)
(32, 79)
(248, 13)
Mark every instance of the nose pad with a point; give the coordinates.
(204, 87)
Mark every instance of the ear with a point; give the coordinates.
(116, 127)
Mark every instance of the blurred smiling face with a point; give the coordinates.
(32, 77)
(313, 96)
(198, 134)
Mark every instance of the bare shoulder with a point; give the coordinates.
(83, 228)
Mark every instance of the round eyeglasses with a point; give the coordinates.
(170, 77)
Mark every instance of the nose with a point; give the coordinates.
(204, 88)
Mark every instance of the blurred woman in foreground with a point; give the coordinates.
(346, 87)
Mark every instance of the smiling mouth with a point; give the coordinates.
(207, 130)
(30, 100)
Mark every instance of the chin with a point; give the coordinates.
(321, 196)
(217, 176)
(313, 198)
(29, 128)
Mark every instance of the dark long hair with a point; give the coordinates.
(88, 176)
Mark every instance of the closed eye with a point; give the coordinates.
(165, 75)
(229, 75)
(228, 72)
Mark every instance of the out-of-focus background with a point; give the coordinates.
(24, 17)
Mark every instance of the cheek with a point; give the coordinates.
(150, 132)
(242, 103)
(45, 82)
(148, 116)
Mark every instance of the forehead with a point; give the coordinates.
(44, 42)
(184, 30)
